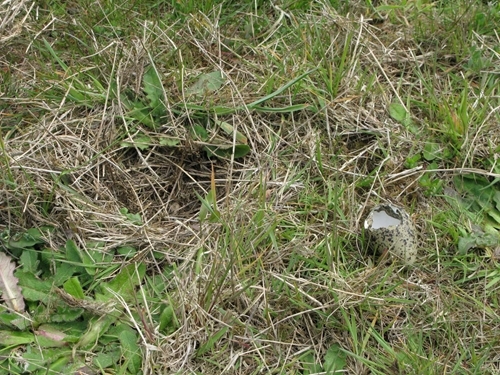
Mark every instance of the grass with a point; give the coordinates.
(183, 186)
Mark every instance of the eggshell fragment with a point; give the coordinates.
(390, 229)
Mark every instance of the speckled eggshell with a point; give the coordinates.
(400, 239)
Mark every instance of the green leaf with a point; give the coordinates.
(208, 208)
(168, 141)
(29, 261)
(126, 281)
(481, 240)
(26, 240)
(49, 336)
(412, 161)
(34, 289)
(73, 252)
(496, 199)
(200, 133)
(225, 151)
(280, 90)
(133, 218)
(207, 83)
(73, 287)
(335, 360)
(209, 345)
(107, 359)
(309, 364)
(168, 320)
(64, 271)
(143, 115)
(97, 328)
(15, 338)
(153, 88)
(398, 112)
(431, 151)
(142, 142)
(126, 251)
(60, 364)
(229, 129)
(65, 314)
(80, 258)
(131, 350)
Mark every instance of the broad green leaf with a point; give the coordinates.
(14, 320)
(126, 251)
(218, 110)
(80, 258)
(335, 360)
(431, 151)
(107, 359)
(131, 350)
(168, 141)
(64, 271)
(15, 338)
(309, 364)
(30, 238)
(412, 161)
(49, 336)
(221, 110)
(225, 151)
(493, 282)
(66, 314)
(60, 365)
(493, 217)
(168, 320)
(97, 328)
(207, 83)
(229, 129)
(200, 133)
(126, 281)
(477, 241)
(34, 289)
(496, 199)
(142, 142)
(398, 112)
(73, 287)
(133, 218)
(29, 261)
(38, 361)
(143, 115)
(153, 88)
(73, 253)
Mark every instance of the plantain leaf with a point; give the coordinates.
(225, 151)
(207, 83)
(398, 112)
(229, 129)
(154, 91)
(335, 360)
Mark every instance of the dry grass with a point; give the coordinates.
(285, 270)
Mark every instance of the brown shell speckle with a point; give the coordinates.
(400, 239)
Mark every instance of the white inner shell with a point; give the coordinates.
(380, 219)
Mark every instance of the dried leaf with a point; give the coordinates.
(11, 292)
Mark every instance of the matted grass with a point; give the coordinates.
(196, 176)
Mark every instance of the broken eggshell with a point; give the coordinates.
(390, 229)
